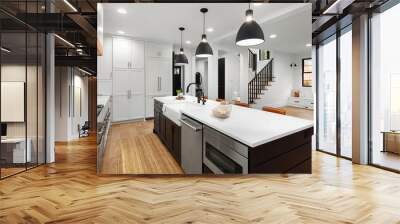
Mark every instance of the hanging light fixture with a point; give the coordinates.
(250, 33)
(204, 49)
(180, 58)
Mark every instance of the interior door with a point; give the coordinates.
(221, 78)
(122, 53)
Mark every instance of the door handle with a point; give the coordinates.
(195, 129)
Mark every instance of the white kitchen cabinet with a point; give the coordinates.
(104, 62)
(137, 54)
(128, 53)
(158, 50)
(158, 76)
(300, 102)
(128, 95)
(122, 53)
(127, 107)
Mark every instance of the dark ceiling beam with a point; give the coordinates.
(78, 61)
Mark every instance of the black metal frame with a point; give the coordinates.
(302, 72)
(336, 38)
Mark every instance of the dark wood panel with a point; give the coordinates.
(285, 162)
(268, 151)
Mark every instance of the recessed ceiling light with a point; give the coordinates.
(308, 45)
(120, 32)
(188, 42)
(272, 36)
(257, 4)
(210, 29)
(121, 11)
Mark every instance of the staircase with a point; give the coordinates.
(259, 83)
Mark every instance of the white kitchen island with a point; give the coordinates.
(276, 143)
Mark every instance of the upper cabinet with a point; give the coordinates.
(158, 50)
(128, 53)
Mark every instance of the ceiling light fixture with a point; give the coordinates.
(257, 4)
(121, 11)
(64, 40)
(204, 49)
(180, 58)
(120, 32)
(308, 45)
(272, 36)
(250, 33)
(188, 42)
(5, 50)
(210, 29)
(70, 5)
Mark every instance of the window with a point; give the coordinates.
(307, 72)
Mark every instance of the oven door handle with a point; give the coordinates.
(196, 129)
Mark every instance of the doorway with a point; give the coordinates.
(221, 78)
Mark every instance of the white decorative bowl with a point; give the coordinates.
(223, 110)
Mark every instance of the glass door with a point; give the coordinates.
(384, 114)
(346, 92)
(326, 100)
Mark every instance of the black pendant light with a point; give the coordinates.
(180, 58)
(250, 33)
(204, 49)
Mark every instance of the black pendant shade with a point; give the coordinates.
(250, 33)
(180, 58)
(204, 49)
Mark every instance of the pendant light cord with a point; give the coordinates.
(181, 37)
(204, 23)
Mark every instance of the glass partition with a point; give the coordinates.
(385, 90)
(327, 96)
(346, 93)
(22, 101)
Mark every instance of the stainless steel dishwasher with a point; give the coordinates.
(192, 145)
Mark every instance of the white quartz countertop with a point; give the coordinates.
(249, 126)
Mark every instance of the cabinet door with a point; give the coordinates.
(127, 107)
(165, 74)
(122, 53)
(152, 77)
(104, 62)
(137, 54)
(169, 135)
(156, 122)
(162, 127)
(123, 82)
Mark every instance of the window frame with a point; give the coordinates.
(302, 72)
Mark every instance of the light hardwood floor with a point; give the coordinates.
(69, 191)
(132, 148)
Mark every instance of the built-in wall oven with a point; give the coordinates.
(222, 154)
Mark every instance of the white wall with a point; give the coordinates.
(68, 80)
(232, 75)
(277, 95)
(213, 74)
(306, 92)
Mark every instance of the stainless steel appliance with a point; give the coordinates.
(191, 145)
(222, 154)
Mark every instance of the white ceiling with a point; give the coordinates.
(291, 22)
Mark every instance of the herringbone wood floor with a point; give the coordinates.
(69, 191)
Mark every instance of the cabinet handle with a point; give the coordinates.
(160, 83)
(129, 94)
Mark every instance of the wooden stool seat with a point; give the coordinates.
(274, 110)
